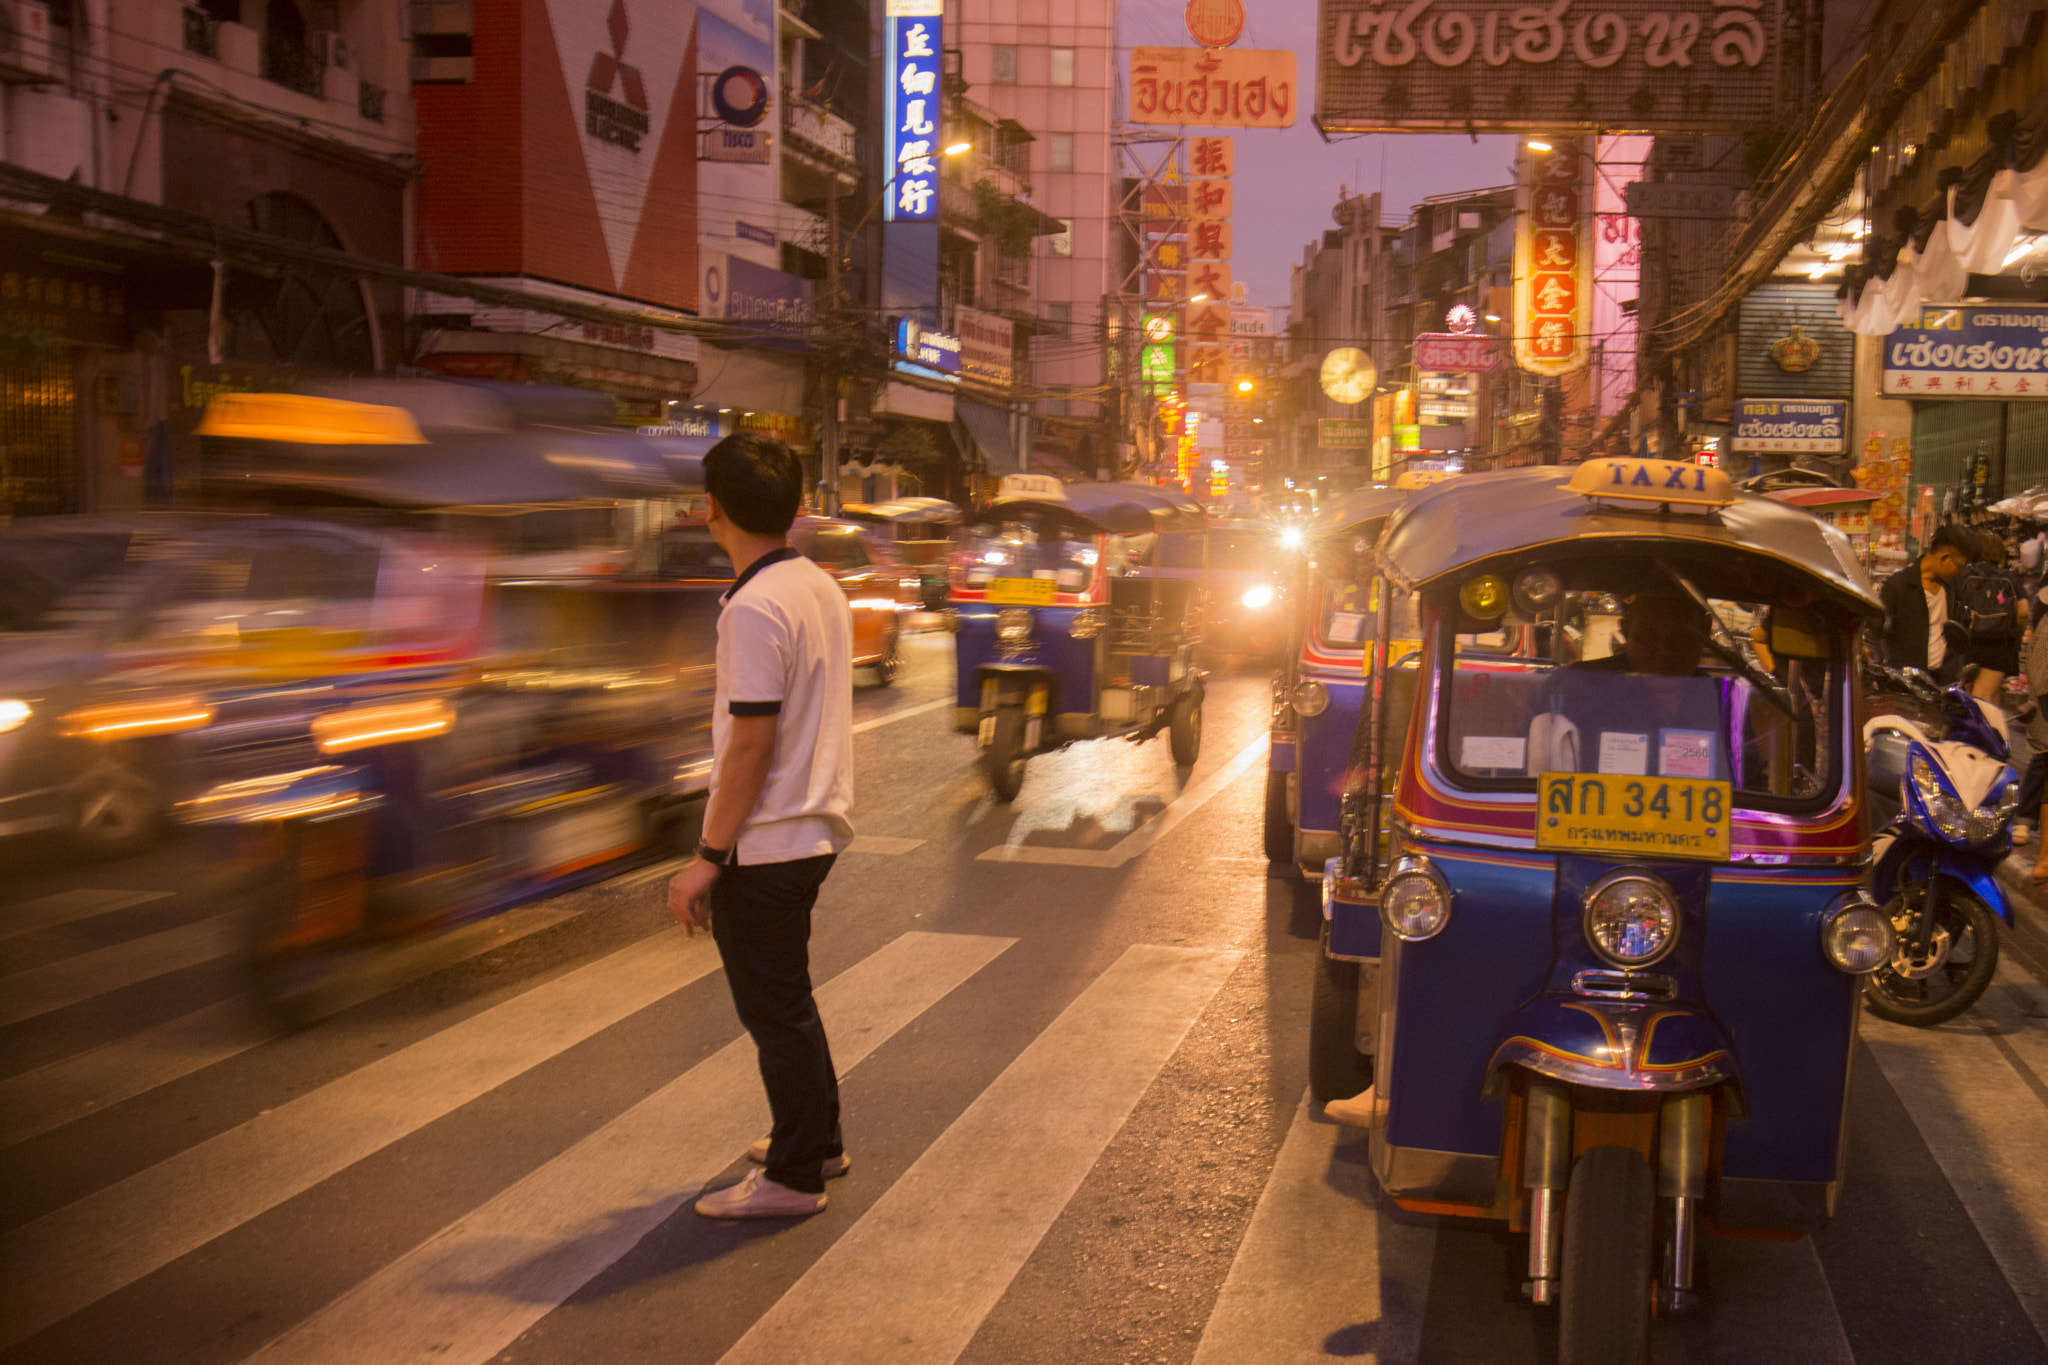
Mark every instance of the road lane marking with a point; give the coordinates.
(1768, 1301)
(883, 844)
(66, 907)
(1145, 835)
(1318, 1259)
(56, 985)
(77, 1255)
(905, 714)
(911, 1281)
(472, 1289)
(52, 1095)
(1983, 1123)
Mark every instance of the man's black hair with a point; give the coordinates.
(1957, 538)
(757, 480)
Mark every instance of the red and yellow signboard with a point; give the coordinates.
(1213, 87)
(1553, 315)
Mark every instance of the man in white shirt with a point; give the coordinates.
(781, 788)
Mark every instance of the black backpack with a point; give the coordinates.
(1985, 597)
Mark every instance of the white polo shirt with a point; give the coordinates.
(785, 648)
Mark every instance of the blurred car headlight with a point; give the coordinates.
(1416, 904)
(1013, 625)
(364, 727)
(1292, 538)
(13, 714)
(1259, 598)
(1631, 918)
(1311, 698)
(1857, 938)
(132, 720)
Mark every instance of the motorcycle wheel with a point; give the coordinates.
(1337, 1070)
(1610, 1218)
(1922, 993)
(1004, 758)
(1279, 830)
(119, 816)
(1184, 727)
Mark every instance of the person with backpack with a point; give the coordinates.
(1920, 613)
(1992, 609)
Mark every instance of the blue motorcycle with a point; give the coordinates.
(1939, 780)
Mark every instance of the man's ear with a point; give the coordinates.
(712, 511)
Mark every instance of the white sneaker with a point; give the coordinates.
(835, 1166)
(2022, 833)
(756, 1196)
(1355, 1112)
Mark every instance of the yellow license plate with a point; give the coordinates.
(1650, 817)
(1022, 592)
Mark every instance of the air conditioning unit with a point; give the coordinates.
(25, 49)
(331, 48)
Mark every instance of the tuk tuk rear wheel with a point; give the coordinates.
(1610, 1222)
(1337, 1070)
(1004, 758)
(1279, 830)
(1184, 727)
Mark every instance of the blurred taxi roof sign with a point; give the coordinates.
(1412, 479)
(1042, 487)
(308, 420)
(1659, 481)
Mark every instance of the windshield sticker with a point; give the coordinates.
(1346, 627)
(1493, 751)
(1685, 753)
(1624, 753)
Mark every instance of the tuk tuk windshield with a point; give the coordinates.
(1345, 619)
(1023, 549)
(1628, 676)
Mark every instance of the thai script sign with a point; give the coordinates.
(737, 289)
(1667, 66)
(1462, 352)
(912, 109)
(1970, 351)
(1213, 87)
(1344, 433)
(987, 346)
(1820, 425)
(1670, 199)
(1554, 257)
(925, 346)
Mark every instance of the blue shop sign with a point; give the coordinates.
(1970, 350)
(912, 109)
(926, 349)
(1816, 425)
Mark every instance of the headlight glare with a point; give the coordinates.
(1013, 625)
(1311, 698)
(1631, 918)
(1415, 903)
(1858, 939)
(1259, 598)
(13, 714)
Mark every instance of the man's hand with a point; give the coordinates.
(689, 895)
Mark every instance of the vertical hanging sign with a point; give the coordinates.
(912, 109)
(1554, 214)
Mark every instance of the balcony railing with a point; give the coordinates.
(202, 33)
(807, 123)
(293, 65)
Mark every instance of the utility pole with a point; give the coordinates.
(828, 423)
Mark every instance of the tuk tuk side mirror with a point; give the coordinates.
(1799, 633)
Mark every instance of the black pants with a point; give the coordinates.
(2033, 787)
(761, 919)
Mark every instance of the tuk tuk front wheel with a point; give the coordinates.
(1279, 830)
(1004, 758)
(1337, 1070)
(1184, 727)
(1610, 1219)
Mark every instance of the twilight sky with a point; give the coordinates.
(1287, 179)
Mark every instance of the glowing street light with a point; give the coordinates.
(1537, 144)
(958, 147)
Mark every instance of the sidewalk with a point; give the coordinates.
(2027, 941)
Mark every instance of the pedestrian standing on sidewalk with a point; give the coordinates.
(781, 790)
(1918, 605)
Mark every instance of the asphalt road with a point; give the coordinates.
(1072, 1036)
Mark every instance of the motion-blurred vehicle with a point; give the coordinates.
(390, 733)
(1239, 567)
(920, 531)
(1062, 636)
(1598, 960)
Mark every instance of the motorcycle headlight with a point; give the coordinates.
(1857, 938)
(1415, 903)
(1013, 625)
(13, 714)
(1088, 623)
(1947, 811)
(1631, 918)
(1259, 598)
(1311, 698)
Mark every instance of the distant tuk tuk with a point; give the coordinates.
(921, 532)
(1602, 961)
(394, 724)
(1063, 636)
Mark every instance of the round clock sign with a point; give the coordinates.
(1348, 375)
(1215, 23)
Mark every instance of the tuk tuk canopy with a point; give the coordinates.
(1359, 510)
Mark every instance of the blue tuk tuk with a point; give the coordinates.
(1608, 944)
(1061, 635)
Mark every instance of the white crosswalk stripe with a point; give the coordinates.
(82, 976)
(68, 907)
(911, 1281)
(465, 1294)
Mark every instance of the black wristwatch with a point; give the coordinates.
(717, 857)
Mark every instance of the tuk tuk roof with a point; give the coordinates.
(1511, 512)
(1357, 507)
(904, 509)
(1172, 510)
(1108, 507)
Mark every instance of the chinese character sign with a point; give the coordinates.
(912, 108)
(1554, 258)
(1212, 156)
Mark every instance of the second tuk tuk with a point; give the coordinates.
(1062, 637)
(1607, 937)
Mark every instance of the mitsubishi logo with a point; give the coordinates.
(622, 124)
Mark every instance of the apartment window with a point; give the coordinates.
(1062, 66)
(1058, 317)
(1059, 152)
(1003, 70)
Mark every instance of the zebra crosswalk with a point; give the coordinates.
(922, 1246)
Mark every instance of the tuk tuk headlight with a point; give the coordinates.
(1857, 938)
(1013, 626)
(1259, 598)
(13, 714)
(1415, 903)
(1484, 597)
(366, 727)
(1944, 807)
(1088, 623)
(1311, 698)
(1538, 590)
(1631, 918)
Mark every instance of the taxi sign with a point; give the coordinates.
(1661, 481)
(1649, 817)
(308, 420)
(1022, 592)
(1042, 487)
(1411, 479)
